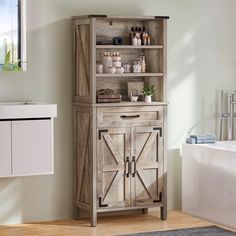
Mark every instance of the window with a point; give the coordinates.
(10, 34)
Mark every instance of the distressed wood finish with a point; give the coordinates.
(120, 148)
(147, 154)
(113, 149)
(82, 127)
(129, 116)
(82, 63)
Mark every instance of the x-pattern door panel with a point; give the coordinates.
(113, 149)
(147, 165)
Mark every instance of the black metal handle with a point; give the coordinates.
(133, 163)
(127, 167)
(129, 117)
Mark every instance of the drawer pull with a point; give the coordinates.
(129, 117)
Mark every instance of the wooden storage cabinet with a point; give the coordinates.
(120, 148)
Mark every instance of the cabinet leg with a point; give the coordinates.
(93, 219)
(77, 213)
(164, 213)
(144, 210)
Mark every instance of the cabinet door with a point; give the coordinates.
(113, 178)
(147, 165)
(32, 147)
(5, 148)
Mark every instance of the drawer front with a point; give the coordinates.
(129, 116)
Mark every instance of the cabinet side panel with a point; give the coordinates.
(5, 147)
(82, 157)
(82, 62)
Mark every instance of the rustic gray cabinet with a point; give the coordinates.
(119, 148)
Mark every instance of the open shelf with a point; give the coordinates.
(130, 75)
(129, 47)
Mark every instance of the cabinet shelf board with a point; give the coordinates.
(127, 103)
(129, 47)
(130, 75)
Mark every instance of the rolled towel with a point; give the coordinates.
(191, 140)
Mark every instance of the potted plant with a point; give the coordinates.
(148, 92)
(8, 65)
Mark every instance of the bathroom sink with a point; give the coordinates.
(26, 110)
(17, 103)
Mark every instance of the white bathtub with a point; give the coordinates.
(209, 181)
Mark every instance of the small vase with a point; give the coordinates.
(148, 99)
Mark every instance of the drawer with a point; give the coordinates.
(129, 116)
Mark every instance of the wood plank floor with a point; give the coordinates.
(106, 225)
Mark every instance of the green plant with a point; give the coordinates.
(8, 66)
(149, 91)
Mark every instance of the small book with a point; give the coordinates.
(108, 100)
(112, 96)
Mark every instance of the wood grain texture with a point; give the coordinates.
(125, 224)
(81, 155)
(129, 116)
(82, 62)
(112, 149)
(147, 149)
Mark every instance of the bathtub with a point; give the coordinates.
(209, 181)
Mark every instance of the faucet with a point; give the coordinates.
(230, 115)
(231, 103)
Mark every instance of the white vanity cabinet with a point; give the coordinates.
(32, 147)
(26, 144)
(26, 147)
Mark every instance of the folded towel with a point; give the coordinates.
(201, 139)
(194, 141)
(204, 137)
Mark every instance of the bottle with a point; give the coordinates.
(139, 42)
(145, 42)
(131, 35)
(108, 62)
(144, 36)
(143, 64)
(137, 32)
(135, 41)
(140, 31)
(116, 59)
(104, 61)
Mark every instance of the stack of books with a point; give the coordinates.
(109, 98)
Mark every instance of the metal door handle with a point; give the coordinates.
(133, 164)
(127, 167)
(129, 117)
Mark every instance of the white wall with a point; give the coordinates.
(201, 60)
